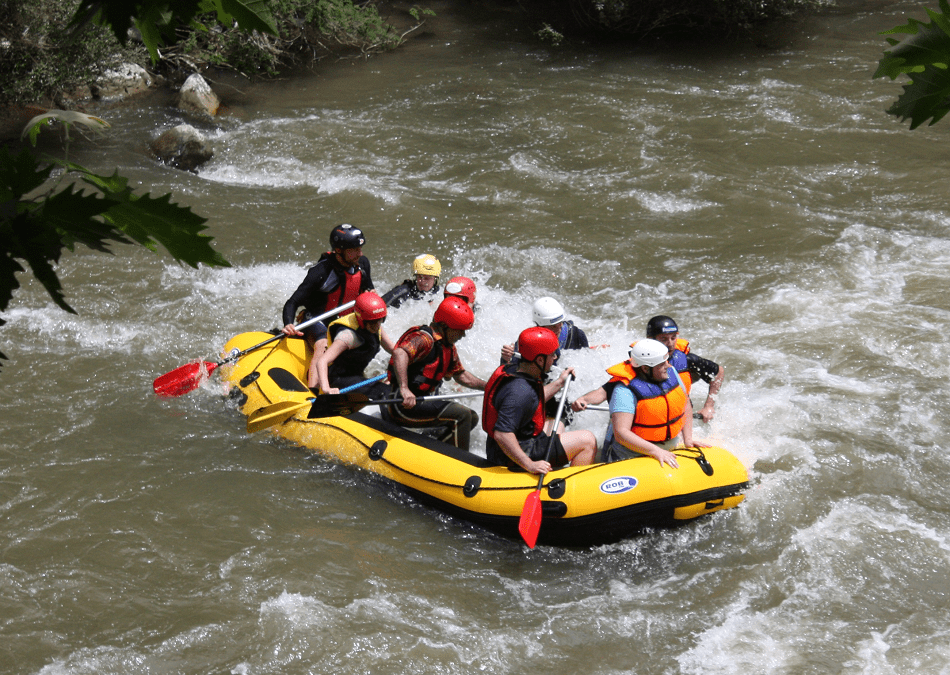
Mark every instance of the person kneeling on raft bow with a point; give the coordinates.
(650, 412)
(352, 342)
(461, 287)
(426, 269)
(513, 411)
(339, 276)
(423, 357)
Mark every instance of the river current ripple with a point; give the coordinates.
(797, 233)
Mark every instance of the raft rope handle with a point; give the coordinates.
(700, 457)
(439, 482)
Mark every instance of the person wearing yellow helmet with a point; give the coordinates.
(426, 270)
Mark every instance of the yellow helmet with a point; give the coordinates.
(427, 264)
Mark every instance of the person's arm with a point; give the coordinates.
(508, 442)
(366, 280)
(582, 342)
(300, 297)
(400, 362)
(623, 433)
(593, 397)
(386, 341)
(688, 439)
(711, 373)
(551, 388)
(343, 341)
(394, 297)
(466, 379)
(709, 408)
(507, 352)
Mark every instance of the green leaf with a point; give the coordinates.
(926, 96)
(20, 174)
(929, 44)
(150, 220)
(249, 14)
(924, 57)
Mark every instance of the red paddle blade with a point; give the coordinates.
(530, 522)
(183, 379)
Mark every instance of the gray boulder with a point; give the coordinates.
(126, 80)
(182, 147)
(197, 98)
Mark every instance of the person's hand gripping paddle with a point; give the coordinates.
(530, 523)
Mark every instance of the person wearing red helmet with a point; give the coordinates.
(461, 287)
(352, 342)
(425, 356)
(341, 274)
(513, 411)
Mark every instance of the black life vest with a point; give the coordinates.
(353, 361)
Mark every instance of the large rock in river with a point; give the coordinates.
(196, 97)
(182, 147)
(126, 80)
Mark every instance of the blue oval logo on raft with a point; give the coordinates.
(618, 485)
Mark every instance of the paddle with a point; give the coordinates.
(280, 412)
(603, 408)
(530, 522)
(341, 404)
(187, 377)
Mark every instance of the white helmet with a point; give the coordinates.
(648, 352)
(547, 312)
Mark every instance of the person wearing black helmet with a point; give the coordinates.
(341, 274)
(690, 366)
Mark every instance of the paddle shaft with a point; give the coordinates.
(279, 336)
(420, 399)
(557, 417)
(363, 383)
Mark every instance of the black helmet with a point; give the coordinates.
(346, 236)
(661, 324)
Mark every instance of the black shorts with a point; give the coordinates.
(315, 332)
(536, 448)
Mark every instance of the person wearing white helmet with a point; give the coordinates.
(548, 313)
(650, 411)
(426, 270)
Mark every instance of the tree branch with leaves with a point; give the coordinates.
(924, 56)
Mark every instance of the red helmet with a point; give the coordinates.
(455, 313)
(462, 287)
(536, 341)
(369, 307)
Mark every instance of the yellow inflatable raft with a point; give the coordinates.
(581, 506)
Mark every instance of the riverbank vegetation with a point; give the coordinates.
(51, 49)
